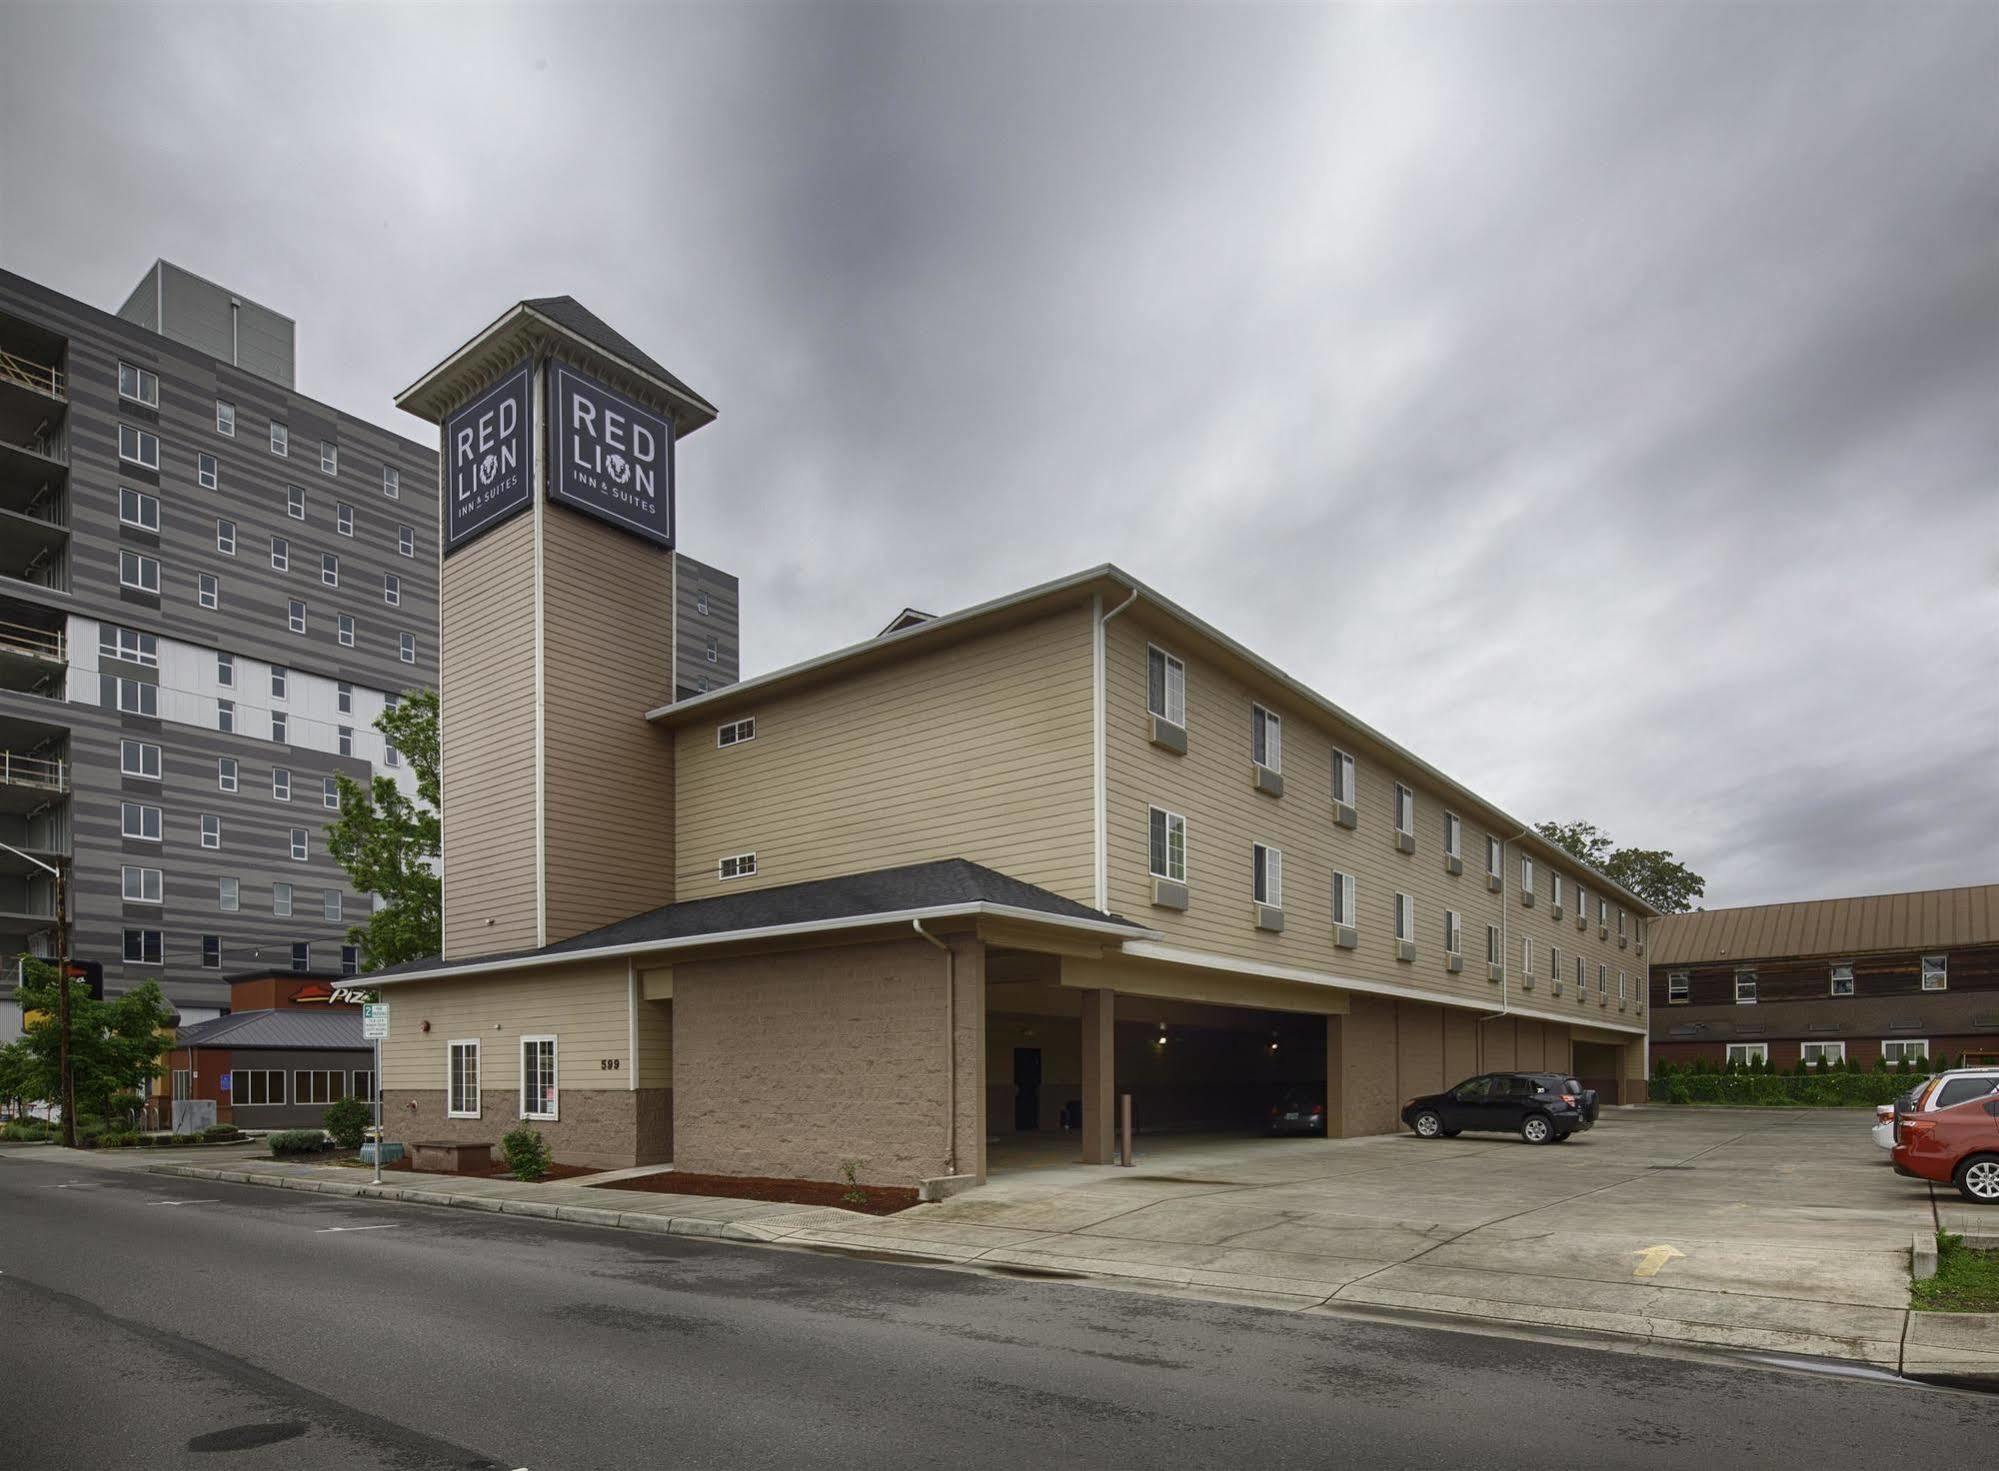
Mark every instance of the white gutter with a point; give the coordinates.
(950, 1047)
(1098, 739)
(976, 910)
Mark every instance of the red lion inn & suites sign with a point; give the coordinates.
(487, 460)
(609, 457)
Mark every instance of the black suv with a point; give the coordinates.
(1542, 1108)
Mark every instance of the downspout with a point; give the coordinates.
(1099, 778)
(950, 1047)
(1505, 955)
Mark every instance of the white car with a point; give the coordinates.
(1884, 1125)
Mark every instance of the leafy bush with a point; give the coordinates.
(1835, 1085)
(297, 1141)
(27, 1130)
(220, 1133)
(347, 1121)
(527, 1153)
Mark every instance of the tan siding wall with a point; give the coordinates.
(979, 751)
(606, 660)
(1210, 786)
(487, 706)
(583, 1004)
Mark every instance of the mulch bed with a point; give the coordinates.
(882, 1200)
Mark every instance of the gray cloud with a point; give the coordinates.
(1599, 400)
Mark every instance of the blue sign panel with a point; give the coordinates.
(488, 459)
(609, 456)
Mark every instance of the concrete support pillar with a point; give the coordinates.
(969, 1050)
(1361, 1075)
(1099, 1076)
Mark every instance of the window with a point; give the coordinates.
(344, 739)
(1743, 1053)
(139, 758)
(736, 732)
(346, 630)
(1906, 1051)
(229, 895)
(329, 457)
(406, 541)
(329, 793)
(1582, 975)
(1267, 876)
(281, 682)
(1582, 904)
(329, 569)
(1620, 924)
(1603, 979)
(462, 1075)
(1492, 944)
(142, 947)
(1266, 738)
(1405, 809)
(1166, 686)
(343, 519)
(298, 845)
(136, 508)
(281, 554)
(211, 831)
(225, 670)
(1492, 856)
(1936, 972)
(296, 616)
(281, 784)
(225, 418)
(350, 963)
(1555, 891)
(1526, 874)
(281, 443)
(1405, 917)
(701, 601)
(1453, 833)
(137, 697)
(1745, 987)
(1343, 778)
(364, 1082)
(1554, 962)
(225, 716)
(392, 594)
(344, 697)
(1527, 958)
(1454, 933)
(390, 755)
(1822, 1054)
(138, 446)
(329, 903)
(205, 472)
(392, 483)
(257, 1087)
(281, 900)
(537, 1077)
(1842, 979)
(207, 591)
(135, 571)
(713, 653)
(225, 773)
(1960, 1090)
(295, 502)
(1167, 845)
(1603, 914)
(1621, 992)
(736, 866)
(408, 642)
(140, 885)
(129, 645)
(211, 953)
(280, 727)
(1346, 906)
(316, 1085)
(301, 955)
(139, 821)
(139, 384)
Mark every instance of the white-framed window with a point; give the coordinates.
(1555, 889)
(736, 866)
(206, 472)
(343, 694)
(1620, 922)
(1745, 986)
(281, 554)
(1526, 874)
(1267, 875)
(1906, 1049)
(257, 1087)
(344, 739)
(295, 502)
(207, 591)
(128, 644)
(136, 508)
(318, 1085)
(299, 845)
(138, 572)
(1266, 738)
(1346, 900)
(229, 895)
(1344, 778)
(1603, 914)
(281, 900)
(392, 482)
(406, 541)
(1165, 686)
(350, 960)
(392, 590)
(1582, 903)
(1554, 962)
(143, 947)
(211, 957)
(211, 830)
(407, 649)
(225, 418)
(139, 758)
(1405, 916)
(281, 439)
(343, 518)
(137, 697)
(329, 903)
(281, 682)
(735, 732)
(390, 755)
(1821, 1054)
(226, 773)
(329, 457)
(329, 793)
(1842, 978)
(538, 1096)
(1936, 972)
(295, 616)
(280, 727)
(141, 885)
(139, 821)
(1527, 957)
(1454, 933)
(1492, 859)
(1453, 835)
(1745, 1053)
(1492, 944)
(225, 670)
(281, 783)
(346, 627)
(225, 716)
(1621, 992)
(1603, 979)
(1405, 810)
(329, 569)
(1166, 845)
(141, 385)
(138, 446)
(461, 1071)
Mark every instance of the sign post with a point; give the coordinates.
(374, 1027)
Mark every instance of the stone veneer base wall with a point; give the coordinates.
(605, 1127)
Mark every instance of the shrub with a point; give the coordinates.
(526, 1151)
(220, 1133)
(347, 1121)
(297, 1141)
(27, 1129)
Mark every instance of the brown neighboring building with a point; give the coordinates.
(289, 1045)
(1895, 975)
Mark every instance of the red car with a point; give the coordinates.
(1953, 1142)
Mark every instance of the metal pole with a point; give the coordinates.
(1124, 1112)
(68, 1087)
(377, 1081)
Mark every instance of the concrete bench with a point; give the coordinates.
(443, 1157)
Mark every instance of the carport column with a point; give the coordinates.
(1099, 1076)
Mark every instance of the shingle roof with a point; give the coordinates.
(292, 1030)
(1932, 917)
(571, 314)
(943, 884)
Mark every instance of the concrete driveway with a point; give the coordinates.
(1766, 1230)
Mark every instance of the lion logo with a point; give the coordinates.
(488, 468)
(618, 469)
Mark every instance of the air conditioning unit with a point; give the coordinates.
(1169, 894)
(1345, 936)
(1345, 816)
(1454, 963)
(1405, 842)
(1270, 917)
(1168, 735)
(1269, 782)
(1405, 949)
(1453, 864)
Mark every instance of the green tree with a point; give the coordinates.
(114, 1046)
(19, 1077)
(389, 844)
(1650, 873)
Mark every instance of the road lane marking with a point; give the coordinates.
(210, 1201)
(1652, 1258)
(387, 1226)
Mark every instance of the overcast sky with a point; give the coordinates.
(1602, 401)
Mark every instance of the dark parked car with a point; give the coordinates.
(1295, 1113)
(1542, 1108)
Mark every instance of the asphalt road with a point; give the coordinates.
(152, 1322)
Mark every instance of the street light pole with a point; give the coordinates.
(67, 1086)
